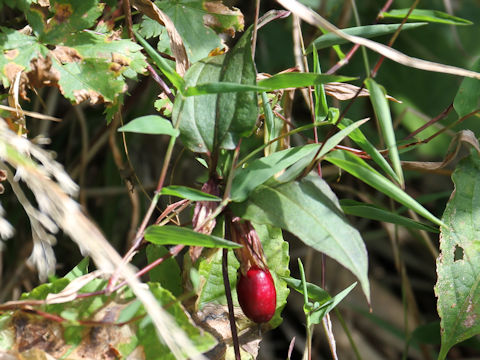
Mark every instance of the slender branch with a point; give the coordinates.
(443, 114)
(159, 80)
(231, 313)
(128, 18)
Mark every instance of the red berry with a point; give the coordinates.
(257, 295)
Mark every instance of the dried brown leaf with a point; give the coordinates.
(176, 43)
(71, 290)
(345, 91)
(218, 8)
(65, 54)
(462, 137)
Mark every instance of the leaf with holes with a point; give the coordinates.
(458, 266)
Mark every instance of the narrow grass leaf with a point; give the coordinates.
(369, 211)
(433, 16)
(361, 170)
(175, 235)
(186, 192)
(362, 141)
(220, 87)
(260, 170)
(298, 80)
(382, 111)
(368, 31)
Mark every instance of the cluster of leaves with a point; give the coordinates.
(217, 104)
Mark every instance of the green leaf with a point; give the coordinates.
(458, 266)
(167, 273)
(310, 210)
(298, 80)
(147, 337)
(190, 19)
(361, 140)
(433, 16)
(323, 302)
(122, 54)
(17, 51)
(382, 112)
(318, 314)
(369, 211)
(315, 293)
(468, 95)
(89, 79)
(67, 17)
(216, 121)
(368, 31)
(361, 170)
(185, 192)
(79, 270)
(212, 289)
(150, 124)
(175, 235)
(248, 178)
(220, 87)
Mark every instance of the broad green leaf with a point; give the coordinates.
(382, 112)
(167, 273)
(175, 235)
(368, 31)
(17, 51)
(361, 170)
(260, 170)
(147, 337)
(369, 211)
(150, 124)
(297, 80)
(82, 80)
(185, 192)
(67, 17)
(191, 19)
(458, 266)
(310, 210)
(433, 16)
(176, 80)
(468, 95)
(321, 105)
(211, 122)
(212, 289)
(361, 140)
(123, 55)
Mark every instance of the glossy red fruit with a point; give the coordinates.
(257, 295)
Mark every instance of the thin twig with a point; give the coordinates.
(128, 18)
(231, 314)
(160, 82)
